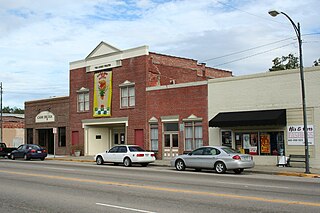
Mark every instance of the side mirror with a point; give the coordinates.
(190, 153)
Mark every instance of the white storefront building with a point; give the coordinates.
(262, 114)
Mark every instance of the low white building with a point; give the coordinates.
(262, 114)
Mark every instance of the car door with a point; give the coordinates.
(109, 156)
(20, 151)
(193, 158)
(121, 153)
(209, 157)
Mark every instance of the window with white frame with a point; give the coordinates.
(83, 100)
(127, 96)
(193, 135)
(154, 136)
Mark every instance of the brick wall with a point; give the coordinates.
(182, 102)
(181, 70)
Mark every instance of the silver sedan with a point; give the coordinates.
(219, 158)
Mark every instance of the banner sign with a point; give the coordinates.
(102, 94)
(296, 135)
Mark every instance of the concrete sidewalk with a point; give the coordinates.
(272, 170)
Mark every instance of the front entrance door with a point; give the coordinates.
(119, 137)
(171, 145)
(46, 139)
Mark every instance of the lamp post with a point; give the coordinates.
(305, 127)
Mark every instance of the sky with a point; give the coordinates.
(38, 39)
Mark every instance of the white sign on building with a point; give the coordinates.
(295, 135)
(45, 116)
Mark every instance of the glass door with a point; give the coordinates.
(171, 145)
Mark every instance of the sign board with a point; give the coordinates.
(44, 117)
(295, 135)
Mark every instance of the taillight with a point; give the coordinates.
(44, 151)
(1, 149)
(140, 155)
(153, 155)
(236, 157)
(33, 151)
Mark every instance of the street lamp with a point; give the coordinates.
(296, 28)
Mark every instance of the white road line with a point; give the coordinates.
(121, 207)
(246, 185)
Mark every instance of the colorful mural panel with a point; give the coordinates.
(102, 94)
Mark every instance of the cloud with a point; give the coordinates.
(38, 39)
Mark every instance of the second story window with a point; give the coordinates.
(127, 93)
(83, 100)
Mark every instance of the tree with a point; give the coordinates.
(285, 62)
(316, 63)
(13, 110)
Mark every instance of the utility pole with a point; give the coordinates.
(1, 121)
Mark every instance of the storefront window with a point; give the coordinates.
(226, 138)
(62, 136)
(260, 143)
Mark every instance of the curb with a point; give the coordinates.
(292, 174)
(74, 160)
(299, 174)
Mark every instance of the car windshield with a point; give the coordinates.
(229, 150)
(135, 149)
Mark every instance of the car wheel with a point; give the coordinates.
(99, 160)
(12, 157)
(220, 167)
(42, 159)
(144, 164)
(25, 157)
(180, 166)
(238, 171)
(127, 162)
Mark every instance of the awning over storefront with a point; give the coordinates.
(249, 118)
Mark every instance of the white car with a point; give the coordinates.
(126, 154)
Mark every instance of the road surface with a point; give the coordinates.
(56, 186)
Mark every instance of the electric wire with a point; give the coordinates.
(249, 56)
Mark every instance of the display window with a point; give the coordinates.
(226, 138)
(260, 143)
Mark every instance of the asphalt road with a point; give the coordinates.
(55, 186)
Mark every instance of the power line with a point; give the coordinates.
(242, 51)
(253, 48)
(239, 59)
(261, 17)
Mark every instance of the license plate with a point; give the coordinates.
(38, 151)
(247, 158)
(147, 155)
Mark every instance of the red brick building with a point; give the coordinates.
(157, 101)
(133, 96)
(47, 124)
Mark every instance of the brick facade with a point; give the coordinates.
(59, 106)
(147, 71)
(164, 86)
